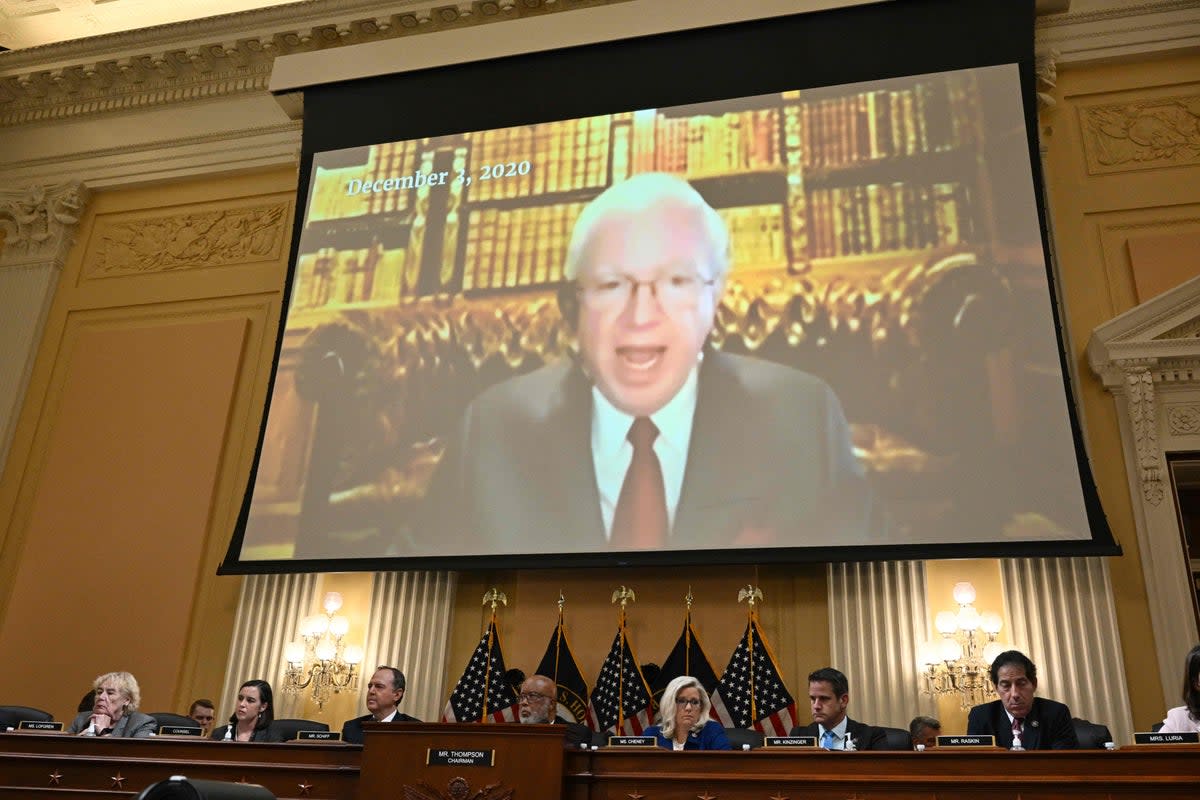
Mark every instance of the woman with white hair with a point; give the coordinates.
(115, 710)
(683, 721)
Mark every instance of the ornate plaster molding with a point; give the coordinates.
(1121, 29)
(1183, 419)
(215, 57)
(1139, 391)
(1119, 137)
(39, 223)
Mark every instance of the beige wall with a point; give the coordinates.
(135, 439)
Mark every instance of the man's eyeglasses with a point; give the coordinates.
(533, 697)
(672, 291)
(688, 701)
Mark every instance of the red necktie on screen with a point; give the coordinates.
(640, 520)
(1017, 732)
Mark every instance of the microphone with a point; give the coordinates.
(91, 728)
(229, 728)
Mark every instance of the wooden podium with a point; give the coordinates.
(432, 761)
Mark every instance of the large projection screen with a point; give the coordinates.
(874, 372)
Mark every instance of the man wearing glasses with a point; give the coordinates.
(539, 706)
(650, 440)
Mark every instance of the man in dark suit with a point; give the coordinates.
(650, 439)
(828, 697)
(538, 706)
(1018, 719)
(384, 693)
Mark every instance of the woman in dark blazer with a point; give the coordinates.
(253, 717)
(683, 721)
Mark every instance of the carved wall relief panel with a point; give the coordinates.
(1162, 132)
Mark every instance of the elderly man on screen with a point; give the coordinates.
(650, 439)
(385, 690)
(1019, 720)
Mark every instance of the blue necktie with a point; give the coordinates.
(828, 739)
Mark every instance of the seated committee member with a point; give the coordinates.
(203, 712)
(1018, 719)
(114, 711)
(924, 732)
(538, 706)
(649, 439)
(828, 697)
(683, 721)
(252, 716)
(1186, 718)
(384, 693)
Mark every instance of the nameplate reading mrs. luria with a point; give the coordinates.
(318, 736)
(789, 741)
(179, 730)
(460, 758)
(966, 741)
(632, 741)
(39, 725)
(1192, 737)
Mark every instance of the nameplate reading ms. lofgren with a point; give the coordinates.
(460, 758)
(1191, 737)
(789, 741)
(39, 725)
(966, 741)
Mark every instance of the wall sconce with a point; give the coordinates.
(320, 658)
(960, 662)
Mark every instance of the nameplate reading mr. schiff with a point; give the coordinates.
(632, 741)
(319, 736)
(966, 741)
(460, 758)
(39, 725)
(789, 741)
(1192, 737)
(179, 730)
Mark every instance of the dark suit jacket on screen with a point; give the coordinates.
(769, 464)
(352, 730)
(866, 737)
(1048, 726)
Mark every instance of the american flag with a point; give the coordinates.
(483, 678)
(751, 692)
(621, 700)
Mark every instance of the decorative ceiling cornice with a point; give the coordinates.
(220, 56)
(1120, 30)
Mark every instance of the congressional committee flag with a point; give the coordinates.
(751, 693)
(686, 658)
(482, 693)
(560, 666)
(621, 700)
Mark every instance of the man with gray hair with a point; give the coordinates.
(651, 439)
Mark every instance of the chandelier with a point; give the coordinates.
(960, 662)
(320, 659)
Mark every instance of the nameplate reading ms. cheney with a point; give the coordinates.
(632, 741)
(460, 758)
(1191, 737)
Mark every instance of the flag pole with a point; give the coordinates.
(751, 594)
(558, 636)
(687, 634)
(494, 597)
(623, 595)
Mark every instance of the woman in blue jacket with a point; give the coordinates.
(683, 721)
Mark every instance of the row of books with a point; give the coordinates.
(929, 117)
(702, 146)
(756, 235)
(530, 160)
(369, 275)
(517, 247)
(387, 161)
(878, 218)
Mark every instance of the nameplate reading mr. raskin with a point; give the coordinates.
(789, 741)
(318, 736)
(460, 758)
(966, 741)
(1191, 737)
(39, 725)
(632, 741)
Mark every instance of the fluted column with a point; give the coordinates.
(877, 620)
(269, 612)
(1064, 618)
(37, 229)
(409, 628)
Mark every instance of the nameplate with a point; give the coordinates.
(632, 741)
(1192, 737)
(966, 741)
(789, 741)
(318, 736)
(39, 725)
(460, 758)
(179, 730)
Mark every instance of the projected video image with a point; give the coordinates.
(806, 319)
